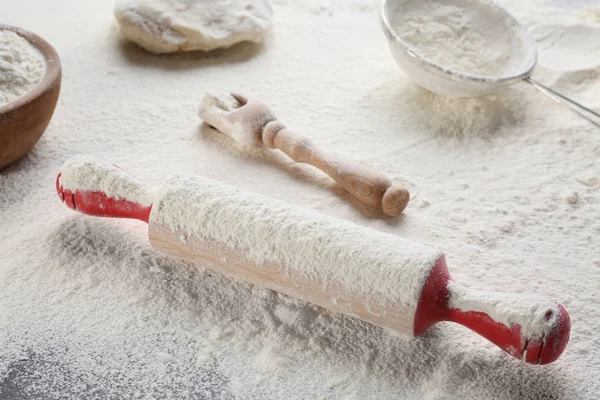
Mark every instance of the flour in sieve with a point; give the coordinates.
(457, 35)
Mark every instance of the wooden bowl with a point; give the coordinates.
(23, 121)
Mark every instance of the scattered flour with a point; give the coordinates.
(89, 310)
(22, 66)
(572, 198)
(583, 39)
(458, 35)
(167, 26)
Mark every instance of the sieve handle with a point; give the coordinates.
(585, 112)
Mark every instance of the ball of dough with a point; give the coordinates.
(167, 26)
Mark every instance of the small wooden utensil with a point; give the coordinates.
(253, 122)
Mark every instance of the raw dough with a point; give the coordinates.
(167, 26)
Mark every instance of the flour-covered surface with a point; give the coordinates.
(508, 186)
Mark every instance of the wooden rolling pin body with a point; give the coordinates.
(292, 250)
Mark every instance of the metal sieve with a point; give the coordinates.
(443, 80)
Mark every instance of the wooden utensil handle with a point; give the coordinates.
(366, 184)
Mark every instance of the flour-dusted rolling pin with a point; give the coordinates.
(252, 122)
(346, 268)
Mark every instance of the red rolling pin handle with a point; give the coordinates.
(433, 307)
(99, 204)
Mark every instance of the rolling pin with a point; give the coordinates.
(377, 277)
(253, 123)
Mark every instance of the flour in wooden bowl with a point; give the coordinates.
(22, 67)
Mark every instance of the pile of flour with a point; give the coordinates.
(22, 66)
(458, 35)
